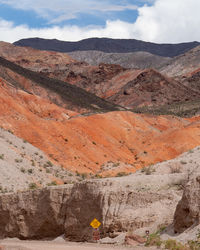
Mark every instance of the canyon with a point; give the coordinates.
(106, 141)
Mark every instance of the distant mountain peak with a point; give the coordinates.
(108, 45)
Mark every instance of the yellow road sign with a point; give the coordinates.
(95, 223)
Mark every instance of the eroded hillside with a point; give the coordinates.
(102, 143)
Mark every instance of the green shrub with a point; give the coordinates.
(30, 170)
(120, 174)
(84, 175)
(33, 186)
(194, 245)
(154, 240)
(18, 160)
(49, 163)
(174, 245)
(22, 170)
(53, 183)
(148, 170)
(98, 176)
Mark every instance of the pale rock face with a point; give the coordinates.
(116, 203)
(36, 214)
(188, 210)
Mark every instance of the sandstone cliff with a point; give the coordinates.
(121, 204)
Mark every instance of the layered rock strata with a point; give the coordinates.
(120, 204)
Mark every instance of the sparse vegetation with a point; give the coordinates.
(154, 240)
(175, 169)
(33, 185)
(171, 244)
(148, 170)
(22, 170)
(2, 156)
(18, 160)
(174, 245)
(98, 176)
(53, 183)
(182, 109)
(120, 174)
(116, 164)
(183, 162)
(33, 163)
(10, 131)
(84, 175)
(48, 164)
(78, 174)
(30, 170)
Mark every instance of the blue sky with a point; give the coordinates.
(64, 12)
(150, 20)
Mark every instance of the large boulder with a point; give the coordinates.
(188, 209)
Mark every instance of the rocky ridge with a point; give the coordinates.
(183, 64)
(108, 45)
(111, 82)
(135, 60)
(58, 92)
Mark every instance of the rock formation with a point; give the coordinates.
(120, 204)
(188, 210)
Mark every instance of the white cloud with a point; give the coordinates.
(169, 21)
(60, 10)
(115, 29)
(164, 21)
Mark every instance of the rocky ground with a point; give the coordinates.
(23, 166)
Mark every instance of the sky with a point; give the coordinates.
(160, 21)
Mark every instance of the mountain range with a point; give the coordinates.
(69, 95)
(108, 45)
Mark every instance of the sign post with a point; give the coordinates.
(96, 234)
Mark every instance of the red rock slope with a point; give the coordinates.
(93, 143)
(33, 59)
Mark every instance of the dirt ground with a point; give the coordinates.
(50, 245)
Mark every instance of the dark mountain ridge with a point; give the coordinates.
(108, 45)
(70, 96)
